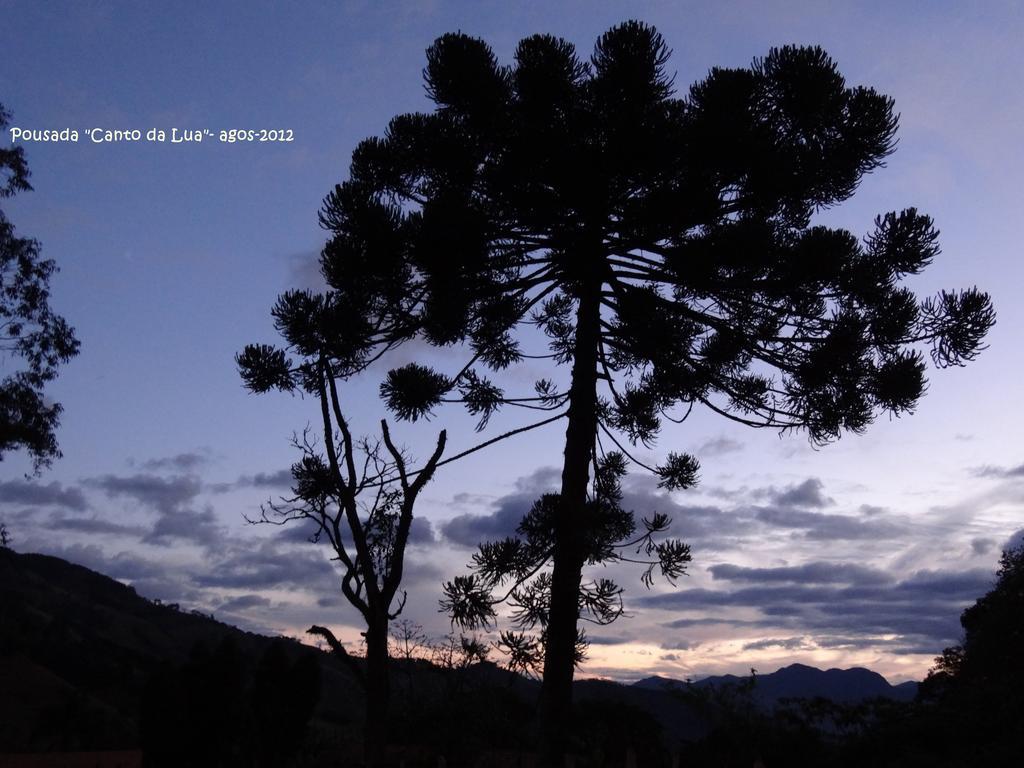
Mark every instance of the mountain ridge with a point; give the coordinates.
(798, 680)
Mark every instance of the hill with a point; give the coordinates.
(799, 681)
(78, 650)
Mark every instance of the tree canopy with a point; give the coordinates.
(30, 332)
(984, 674)
(664, 242)
(690, 218)
(970, 707)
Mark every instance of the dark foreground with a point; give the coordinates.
(91, 674)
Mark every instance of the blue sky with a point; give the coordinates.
(863, 552)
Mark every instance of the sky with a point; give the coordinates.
(863, 552)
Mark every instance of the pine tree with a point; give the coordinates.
(664, 243)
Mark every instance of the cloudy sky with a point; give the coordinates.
(863, 552)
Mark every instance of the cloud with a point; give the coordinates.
(870, 510)
(297, 532)
(542, 480)
(718, 446)
(171, 498)
(187, 525)
(826, 602)
(271, 564)
(712, 526)
(52, 494)
(471, 499)
(678, 645)
(1002, 473)
(417, 572)
(182, 462)
(722, 528)
(711, 621)
(1015, 541)
(93, 525)
(982, 546)
(301, 531)
(421, 532)
(304, 272)
(991, 499)
(163, 494)
(827, 526)
(806, 494)
(244, 602)
(282, 478)
(818, 572)
(923, 608)
(783, 643)
(267, 565)
(469, 530)
(609, 639)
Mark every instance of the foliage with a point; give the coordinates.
(993, 631)
(514, 570)
(663, 243)
(980, 682)
(408, 641)
(693, 213)
(29, 330)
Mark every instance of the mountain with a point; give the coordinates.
(79, 649)
(801, 681)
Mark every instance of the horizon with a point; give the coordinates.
(861, 553)
(424, 651)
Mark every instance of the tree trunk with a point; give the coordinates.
(560, 651)
(378, 691)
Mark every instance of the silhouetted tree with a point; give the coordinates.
(409, 645)
(980, 682)
(358, 494)
(515, 566)
(408, 640)
(993, 631)
(664, 244)
(29, 330)
(457, 653)
(5, 536)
